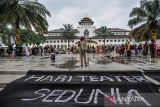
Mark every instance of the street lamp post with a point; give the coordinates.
(9, 35)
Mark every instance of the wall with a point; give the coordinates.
(81, 30)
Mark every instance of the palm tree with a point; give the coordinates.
(26, 13)
(68, 32)
(147, 17)
(104, 32)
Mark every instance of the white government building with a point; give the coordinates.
(54, 37)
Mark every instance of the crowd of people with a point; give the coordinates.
(127, 50)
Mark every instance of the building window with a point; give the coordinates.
(61, 41)
(54, 46)
(117, 33)
(126, 40)
(65, 41)
(56, 34)
(73, 41)
(111, 40)
(119, 40)
(57, 46)
(54, 41)
(58, 41)
(99, 40)
(115, 40)
(50, 41)
(52, 34)
(107, 40)
(124, 33)
(122, 40)
(46, 41)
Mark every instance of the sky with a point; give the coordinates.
(110, 13)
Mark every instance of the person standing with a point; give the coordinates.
(158, 47)
(145, 49)
(98, 50)
(41, 50)
(136, 49)
(27, 50)
(52, 53)
(140, 48)
(10, 50)
(83, 51)
(152, 49)
(128, 50)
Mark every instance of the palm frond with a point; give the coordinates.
(135, 21)
(148, 13)
(139, 12)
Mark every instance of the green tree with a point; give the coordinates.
(145, 19)
(31, 37)
(26, 13)
(104, 32)
(68, 32)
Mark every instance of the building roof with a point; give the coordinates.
(110, 37)
(111, 29)
(86, 20)
(60, 30)
(56, 31)
(58, 37)
(94, 37)
(118, 30)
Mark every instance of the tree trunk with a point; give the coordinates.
(17, 32)
(154, 34)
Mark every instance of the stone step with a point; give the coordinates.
(2, 85)
(13, 72)
(5, 79)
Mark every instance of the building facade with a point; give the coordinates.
(119, 36)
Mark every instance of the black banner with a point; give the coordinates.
(81, 89)
(153, 74)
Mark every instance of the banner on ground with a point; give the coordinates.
(81, 89)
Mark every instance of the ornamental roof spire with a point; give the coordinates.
(86, 20)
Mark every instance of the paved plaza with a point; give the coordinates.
(72, 62)
(11, 69)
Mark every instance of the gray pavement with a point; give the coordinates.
(11, 69)
(72, 62)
